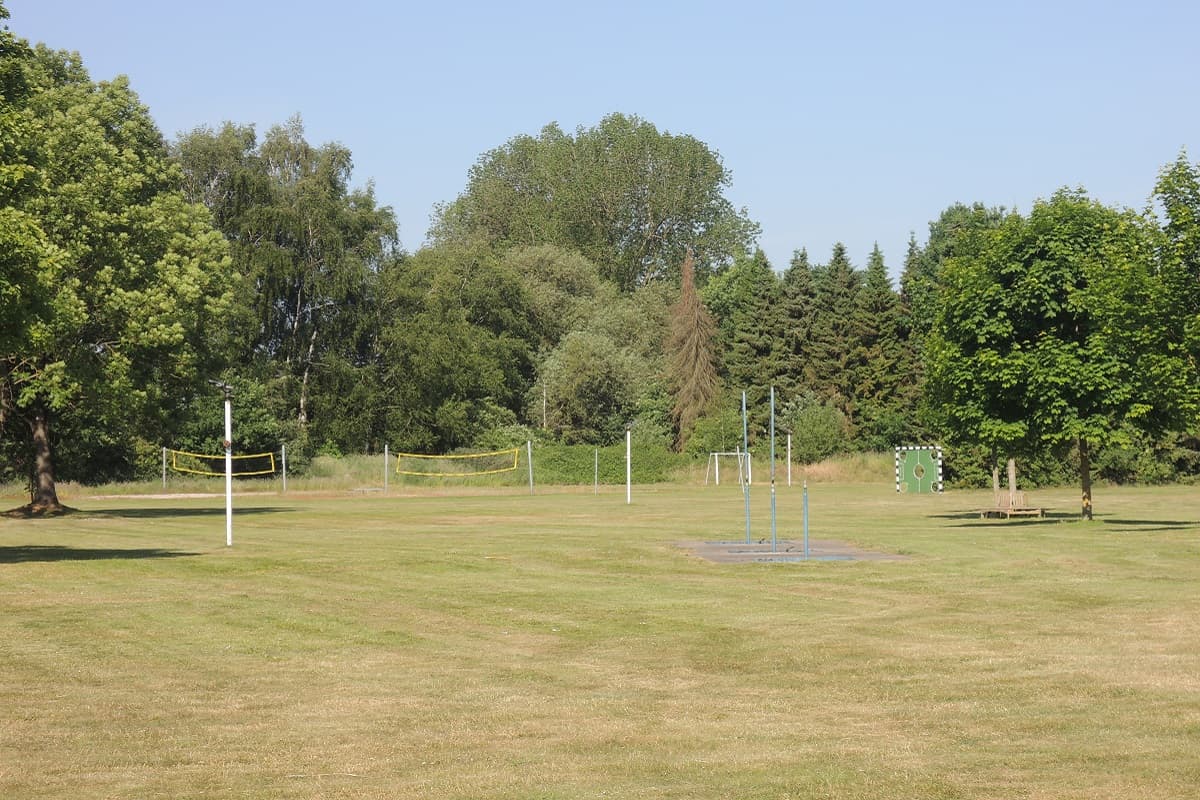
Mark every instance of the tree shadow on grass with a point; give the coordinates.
(1153, 524)
(165, 513)
(970, 519)
(136, 513)
(22, 554)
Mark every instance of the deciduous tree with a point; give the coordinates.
(1059, 328)
(138, 279)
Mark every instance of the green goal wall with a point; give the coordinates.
(919, 469)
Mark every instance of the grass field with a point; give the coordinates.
(499, 645)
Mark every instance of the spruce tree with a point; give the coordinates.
(799, 307)
(693, 370)
(835, 330)
(882, 364)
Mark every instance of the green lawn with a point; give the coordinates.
(561, 646)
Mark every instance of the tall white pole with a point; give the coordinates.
(596, 471)
(164, 468)
(386, 461)
(529, 460)
(228, 470)
(746, 469)
(283, 460)
(789, 459)
(628, 465)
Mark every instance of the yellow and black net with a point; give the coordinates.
(458, 465)
(204, 464)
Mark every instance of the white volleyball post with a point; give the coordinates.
(164, 468)
(529, 458)
(385, 468)
(746, 478)
(283, 464)
(228, 390)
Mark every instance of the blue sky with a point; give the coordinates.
(856, 122)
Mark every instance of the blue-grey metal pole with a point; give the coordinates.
(774, 537)
(745, 472)
(806, 520)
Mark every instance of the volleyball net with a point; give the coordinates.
(205, 464)
(458, 465)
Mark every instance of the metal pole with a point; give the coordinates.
(529, 453)
(164, 468)
(806, 519)
(774, 539)
(283, 458)
(746, 480)
(228, 470)
(789, 459)
(386, 461)
(596, 470)
(628, 465)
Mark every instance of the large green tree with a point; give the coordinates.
(630, 198)
(747, 300)
(1059, 328)
(23, 244)
(138, 279)
(455, 348)
(882, 362)
(692, 363)
(310, 249)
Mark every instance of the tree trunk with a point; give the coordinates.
(45, 498)
(302, 418)
(1085, 477)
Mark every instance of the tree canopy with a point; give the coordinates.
(628, 197)
(136, 279)
(1056, 328)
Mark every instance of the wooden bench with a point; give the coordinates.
(1009, 505)
(1008, 513)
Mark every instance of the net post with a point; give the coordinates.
(529, 453)
(806, 519)
(789, 455)
(746, 472)
(283, 464)
(774, 539)
(228, 468)
(385, 469)
(596, 471)
(164, 454)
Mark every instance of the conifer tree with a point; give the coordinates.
(693, 370)
(799, 307)
(882, 366)
(834, 332)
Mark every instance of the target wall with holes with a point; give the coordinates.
(919, 469)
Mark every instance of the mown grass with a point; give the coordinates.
(562, 646)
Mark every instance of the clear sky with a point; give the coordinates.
(856, 122)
